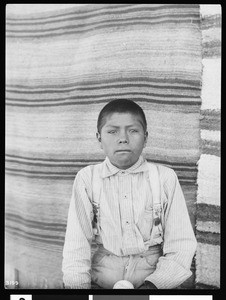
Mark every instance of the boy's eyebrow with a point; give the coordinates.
(115, 126)
(112, 126)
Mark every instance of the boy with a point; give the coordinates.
(136, 211)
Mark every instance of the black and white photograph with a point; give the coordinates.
(112, 147)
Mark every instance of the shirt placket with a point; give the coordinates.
(129, 240)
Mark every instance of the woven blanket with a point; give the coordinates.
(62, 66)
(208, 195)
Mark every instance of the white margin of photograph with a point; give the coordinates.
(180, 297)
(18, 297)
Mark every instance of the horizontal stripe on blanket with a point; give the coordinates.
(171, 87)
(167, 83)
(89, 19)
(31, 235)
(211, 49)
(208, 226)
(209, 191)
(74, 23)
(95, 99)
(78, 117)
(40, 238)
(98, 97)
(211, 147)
(211, 135)
(208, 237)
(211, 84)
(132, 25)
(211, 21)
(65, 103)
(212, 34)
(20, 32)
(42, 176)
(94, 10)
(210, 119)
(42, 162)
(208, 212)
(35, 224)
(202, 286)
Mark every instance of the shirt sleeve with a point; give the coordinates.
(179, 245)
(76, 263)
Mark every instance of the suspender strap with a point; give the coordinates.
(96, 188)
(157, 231)
(96, 184)
(155, 184)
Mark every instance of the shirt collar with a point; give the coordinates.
(109, 169)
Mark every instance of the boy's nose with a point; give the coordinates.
(123, 139)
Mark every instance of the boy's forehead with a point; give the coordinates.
(123, 118)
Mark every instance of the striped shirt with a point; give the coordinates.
(126, 220)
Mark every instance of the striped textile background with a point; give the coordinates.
(208, 199)
(63, 64)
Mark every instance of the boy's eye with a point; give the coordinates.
(133, 130)
(112, 131)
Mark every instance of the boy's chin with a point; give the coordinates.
(124, 164)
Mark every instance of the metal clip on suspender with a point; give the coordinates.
(157, 231)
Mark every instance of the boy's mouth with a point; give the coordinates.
(123, 150)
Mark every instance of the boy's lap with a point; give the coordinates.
(107, 269)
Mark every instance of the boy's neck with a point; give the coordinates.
(128, 167)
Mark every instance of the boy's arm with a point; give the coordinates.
(179, 245)
(77, 247)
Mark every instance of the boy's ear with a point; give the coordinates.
(99, 139)
(145, 138)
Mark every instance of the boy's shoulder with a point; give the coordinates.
(88, 170)
(164, 171)
(160, 166)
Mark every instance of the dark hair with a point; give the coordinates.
(121, 106)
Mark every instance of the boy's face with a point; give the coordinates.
(122, 139)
